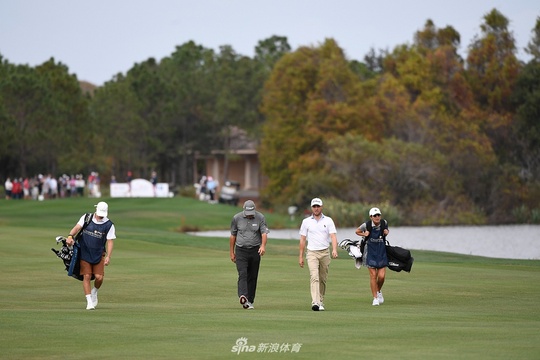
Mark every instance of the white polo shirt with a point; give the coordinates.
(318, 233)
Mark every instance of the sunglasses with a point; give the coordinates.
(316, 206)
(376, 215)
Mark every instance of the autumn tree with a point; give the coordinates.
(311, 97)
(492, 66)
(425, 102)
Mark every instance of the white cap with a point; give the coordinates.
(102, 209)
(374, 211)
(316, 201)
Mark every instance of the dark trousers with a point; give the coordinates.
(247, 264)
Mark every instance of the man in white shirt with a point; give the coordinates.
(318, 231)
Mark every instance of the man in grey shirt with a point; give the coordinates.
(247, 244)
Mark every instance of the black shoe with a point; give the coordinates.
(315, 307)
(244, 301)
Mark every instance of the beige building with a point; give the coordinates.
(239, 164)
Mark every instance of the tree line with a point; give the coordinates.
(441, 138)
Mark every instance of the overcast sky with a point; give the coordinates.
(100, 38)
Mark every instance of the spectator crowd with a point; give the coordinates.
(42, 187)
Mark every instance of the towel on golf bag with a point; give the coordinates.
(353, 248)
(398, 258)
(74, 269)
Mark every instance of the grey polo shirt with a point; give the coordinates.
(248, 232)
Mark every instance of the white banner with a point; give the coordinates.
(140, 188)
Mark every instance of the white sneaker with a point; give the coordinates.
(94, 296)
(321, 307)
(90, 306)
(375, 302)
(250, 306)
(380, 297)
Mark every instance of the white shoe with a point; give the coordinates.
(321, 307)
(94, 297)
(90, 306)
(250, 306)
(380, 297)
(375, 302)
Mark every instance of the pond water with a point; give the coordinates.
(504, 241)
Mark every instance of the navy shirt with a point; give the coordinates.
(93, 241)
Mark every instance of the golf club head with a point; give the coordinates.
(346, 243)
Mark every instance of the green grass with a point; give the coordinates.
(169, 295)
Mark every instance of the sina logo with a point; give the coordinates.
(242, 346)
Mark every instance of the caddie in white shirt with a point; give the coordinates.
(317, 231)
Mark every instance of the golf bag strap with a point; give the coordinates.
(384, 225)
(87, 219)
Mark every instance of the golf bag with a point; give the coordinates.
(354, 249)
(398, 258)
(70, 255)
